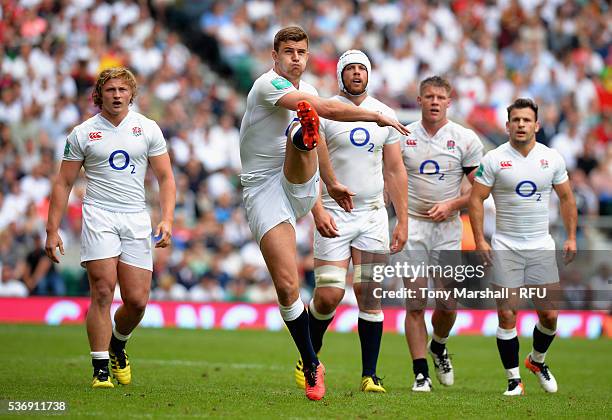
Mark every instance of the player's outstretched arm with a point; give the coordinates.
(68, 173)
(339, 111)
(167, 196)
(396, 182)
(479, 194)
(569, 214)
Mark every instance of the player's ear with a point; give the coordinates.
(275, 56)
(507, 126)
(537, 126)
(419, 100)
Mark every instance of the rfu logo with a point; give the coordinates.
(137, 131)
(95, 135)
(450, 145)
(411, 143)
(543, 163)
(505, 164)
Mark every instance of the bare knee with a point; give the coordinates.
(415, 314)
(101, 293)
(507, 319)
(286, 286)
(136, 304)
(445, 313)
(327, 299)
(286, 289)
(548, 319)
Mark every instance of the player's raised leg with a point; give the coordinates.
(279, 252)
(102, 276)
(301, 160)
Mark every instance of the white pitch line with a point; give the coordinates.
(179, 362)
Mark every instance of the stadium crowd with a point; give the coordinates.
(557, 52)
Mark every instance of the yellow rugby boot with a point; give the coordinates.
(299, 374)
(101, 379)
(120, 366)
(372, 384)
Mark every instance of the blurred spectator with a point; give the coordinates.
(577, 292)
(569, 142)
(587, 203)
(40, 275)
(168, 289)
(10, 286)
(587, 161)
(208, 290)
(261, 292)
(601, 284)
(236, 291)
(601, 180)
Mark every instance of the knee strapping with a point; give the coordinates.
(365, 273)
(330, 276)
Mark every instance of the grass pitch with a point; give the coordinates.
(204, 373)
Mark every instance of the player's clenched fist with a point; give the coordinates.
(164, 229)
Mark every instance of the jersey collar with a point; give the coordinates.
(110, 125)
(435, 136)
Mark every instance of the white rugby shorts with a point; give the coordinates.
(107, 234)
(514, 266)
(277, 201)
(365, 230)
(426, 239)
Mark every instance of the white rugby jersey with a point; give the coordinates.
(521, 188)
(263, 132)
(355, 151)
(115, 159)
(435, 164)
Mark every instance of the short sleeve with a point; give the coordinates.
(322, 125)
(485, 174)
(157, 144)
(473, 152)
(72, 149)
(272, 89)
(560, 174)
(394, 135)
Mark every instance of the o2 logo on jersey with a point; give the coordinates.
(360, 137)
(425, 168)
(527, 189)
(114, 161)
